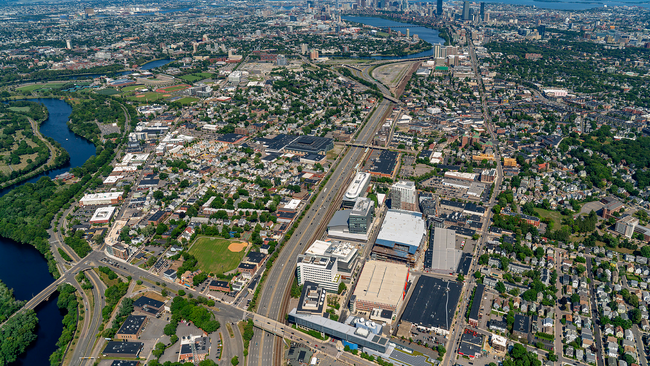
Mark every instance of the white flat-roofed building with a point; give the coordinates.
(380, 285)
(112, 179)
(107, 198)
(135, 159)
(320, 269)
(400, 238)
(292, 205)
(442, 253)
(356, 189)
(461, 176)
(626, 225)
(345, 254)
(102, 215)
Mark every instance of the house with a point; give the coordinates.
(498, 326)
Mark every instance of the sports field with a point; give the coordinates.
(217, 255)
(29, 88)
(133, 87)
(146, 97)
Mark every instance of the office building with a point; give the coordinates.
(403, 196)
(194, 349)
(116, 349)
(132, 327)
(466, 10)
(320, 269)
(108, 198)
(482, 12)
(400, 238)
(312, 299)
(303, 48)
(147, 305)
(381, 285)
(346, 254)
(361, 216)
(356, 189)
(626, 225)
(344, 332)
(439, 8)
(281, 60)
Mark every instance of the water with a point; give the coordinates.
(55, 126)
(570, 5)
(22, 267)
(426, 34)
(153, 64)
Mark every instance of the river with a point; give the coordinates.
(426, 34)
(22, 267)
(153, 64)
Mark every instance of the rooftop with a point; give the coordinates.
(381, 282)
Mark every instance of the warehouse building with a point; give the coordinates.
(107, 198)
(400, 238)
(442, 255)
(306, 145)
(381, 285)
(432, 304)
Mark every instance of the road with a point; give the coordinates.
(468, 286)
(274, 293)
(594, 315)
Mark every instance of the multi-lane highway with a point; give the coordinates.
(263, 350)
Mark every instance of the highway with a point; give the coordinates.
(267, 350)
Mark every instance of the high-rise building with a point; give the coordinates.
(303, 48)
(281, 60)
(313, 55)
(68, 44)
(408, 33)
(361, 216)
(322, 270)
(482, 12)
(439, 8)
(625, 226)
(404, 196)
(466, 10)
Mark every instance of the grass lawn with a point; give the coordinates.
(214, 256)
(33, 87)
(108, 91)
(105, 278)
(187, 100)
(553, 215)
(19, 109)
(191, 78)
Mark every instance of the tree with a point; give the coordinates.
(575, 298)
(500, 287)
(181, 293)
(234, 361)
(342, 288)
(460, 277)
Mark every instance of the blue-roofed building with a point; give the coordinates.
(400, 238)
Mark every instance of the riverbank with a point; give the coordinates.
(425, 32)
(441, 33)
